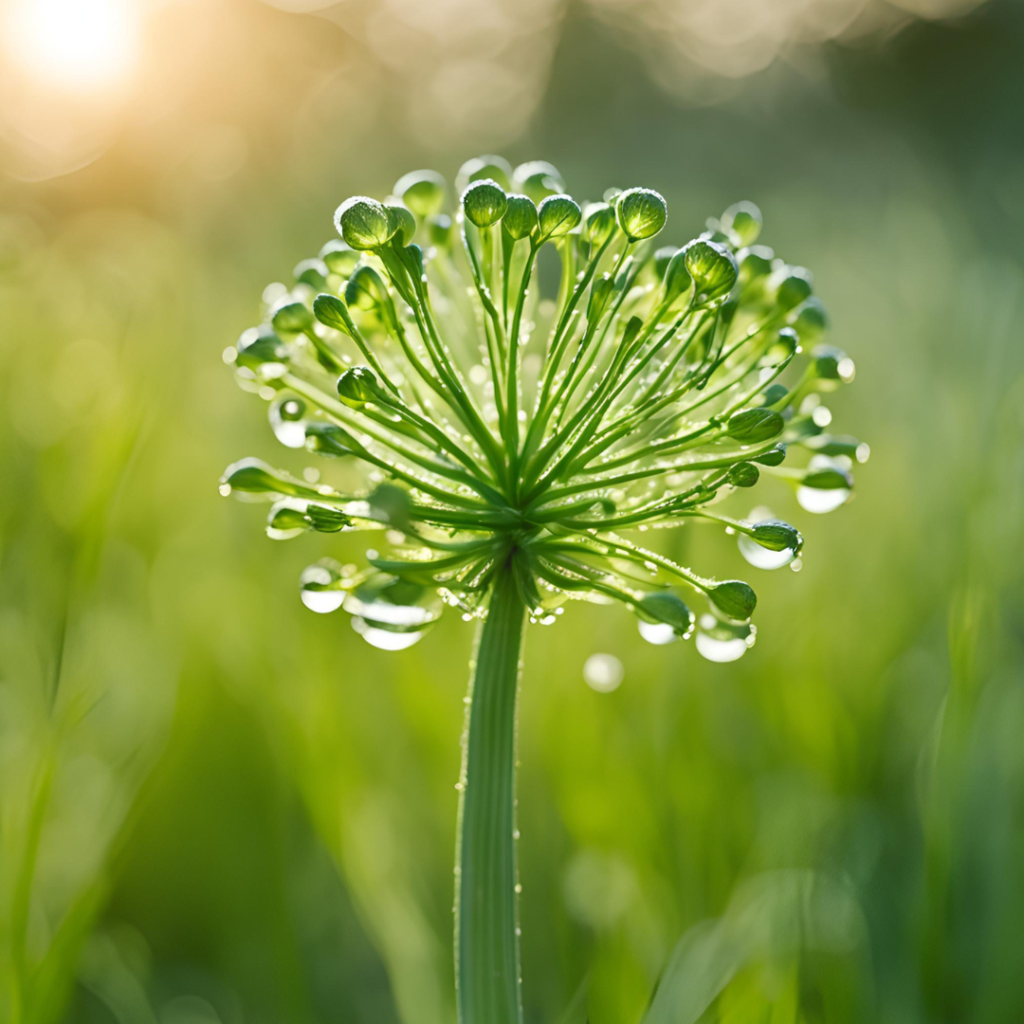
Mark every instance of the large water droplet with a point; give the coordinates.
(286, 414)
(723, 642)
(813, 499)
(385, 637)
(389, 601)
(321, 586)
(657, 632)
(603, 672)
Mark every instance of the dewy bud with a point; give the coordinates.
(641, 213)
(402, 221)
(744, 474)
(333, 313)
(364, 223)
(810, 320)
(754, 426)
(365, 288)
(829, 478)
(330, 439)
(520, 217)
(557, 215)
(598, 223)
(422, 192)
(484, 202)
(441, 230)
(735, 599)
(743, 219)
(340, 257)
(773, 457)
(600, 295)
(478, 168)
(712, 267)
(831, 363)
(776, 535)
(792, 286)
(312, 272)
(253, 476)
(259, 345)
(677, 277)
(754, 263)
(666, 608)
(292, 318)
(358, 386)
(538, 179)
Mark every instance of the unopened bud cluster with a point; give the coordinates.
(504, 430)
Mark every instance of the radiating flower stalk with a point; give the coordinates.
(516, 446)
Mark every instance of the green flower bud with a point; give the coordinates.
(744, 474)
(601, 292)
(755, 263)
(260, 345)
(253, 476)
(479, 168)
(484, 202)
(358, 386)
(520, 217)
(557, 215)
(810, 320)
(743, 220)
(403, 222)
(292, 318)
(677, 277)
(364, 223)
(734, 599)
(441, 230)
(422, 192)
(289, 516)
(641, 213)
(776, 535)
(792, 286)
(774, 457)
(831, 363)
(598, 223)
(828, 478)
(340, 258)
(538, 179)
(833, 445)
(712, 267)
(332, 312)
(312, 272)
(365, 288)
(773, 394)
(666, 608)
(330, 439)
(754, 426)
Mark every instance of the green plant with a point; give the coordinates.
(509, 444)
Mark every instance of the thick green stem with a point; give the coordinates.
(486, 920)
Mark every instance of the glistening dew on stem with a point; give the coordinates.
(514, 447)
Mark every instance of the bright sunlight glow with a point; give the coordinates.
(74, 44)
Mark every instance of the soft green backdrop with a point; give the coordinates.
(217, 806)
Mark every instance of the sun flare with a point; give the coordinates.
(74, 44)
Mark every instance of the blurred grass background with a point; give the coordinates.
(216, 806)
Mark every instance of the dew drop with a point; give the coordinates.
(657, 633)
(763, 558)
(382, 638)
(603, 672)
(286, 421)
(819, 501)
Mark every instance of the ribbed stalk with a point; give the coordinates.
(486, 918)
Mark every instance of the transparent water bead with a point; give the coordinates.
(723, 642)
(603, 673)
(385, 637)
(286, 413)
(321, 586)
(392, 603)
(811, 499)
(758, 556)
(825, 499)
(658, 633)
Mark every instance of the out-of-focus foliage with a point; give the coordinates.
(290, 856)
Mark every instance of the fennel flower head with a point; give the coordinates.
(533, 385)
